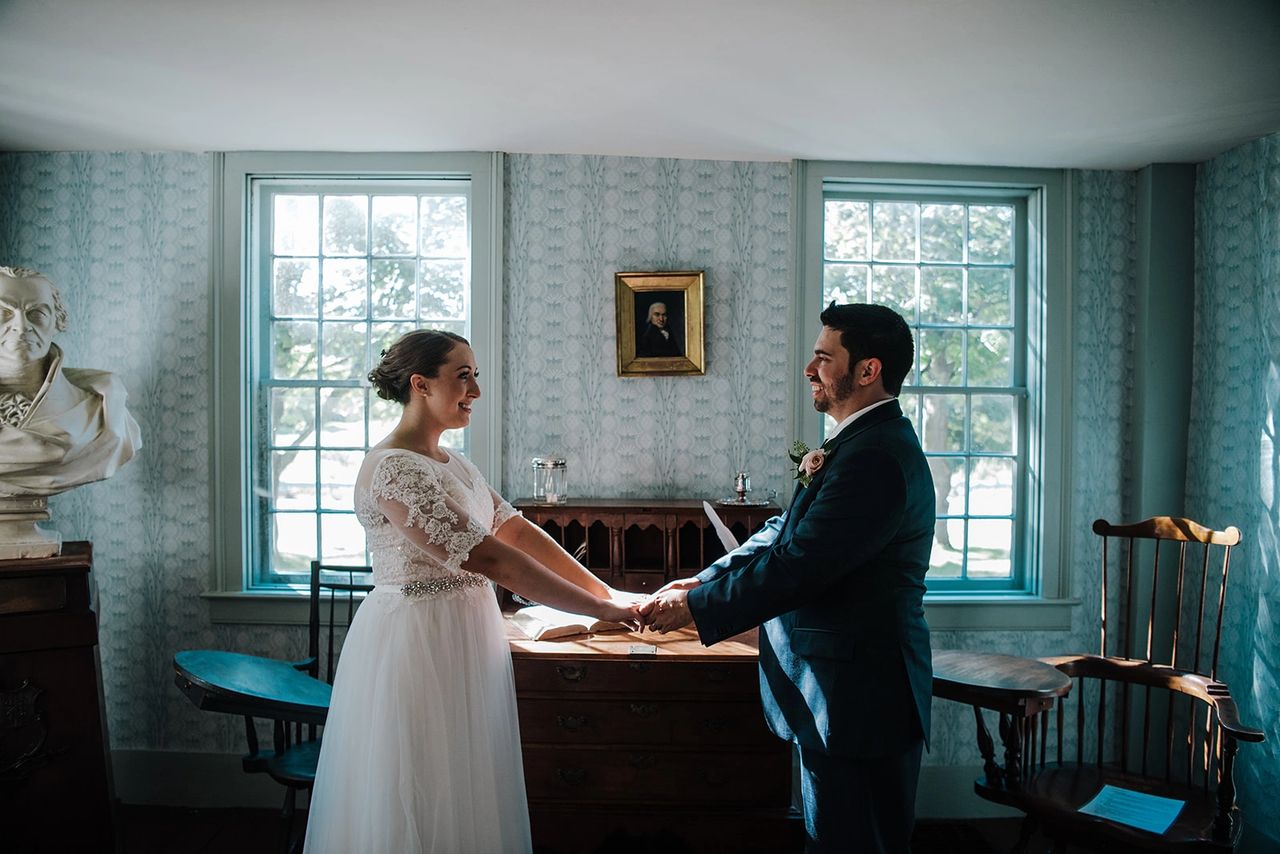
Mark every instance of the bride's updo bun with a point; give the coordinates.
(422, 351)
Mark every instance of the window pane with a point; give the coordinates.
(948, 485)
(910, 404)
(454, 439)
(395, 222)
(847, 230)
(941, 353)
(344, 287)
(941, 295)
(991, 296)
(344, 355)
(385, 334)
(444, 226)
(992, 428)
(896, 288)
(844, 283)
(942, 233)
(947, 558)
(293, 417)
(342, 418)
(296, 225)
(990, 357)
(293, 350)
(293, 538)
(393, 288)
(338, 471)
(293, 480)
(346, 225)
(442, 288)
(295, 283)
(384, 415)
(894, 226)
(991, 486)
(341, 539)
(990, 234)
(989, 549)
(943, 422)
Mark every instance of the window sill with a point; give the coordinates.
(944, 613)
(261, 607)
(961, 612)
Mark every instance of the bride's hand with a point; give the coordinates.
(620, 611)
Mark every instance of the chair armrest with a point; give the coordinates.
(306, 665)
(1229, 715)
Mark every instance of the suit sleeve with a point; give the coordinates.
(855, 513)
(761, 539)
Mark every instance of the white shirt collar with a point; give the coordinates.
(855, 416)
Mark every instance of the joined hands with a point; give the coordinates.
(668, 609)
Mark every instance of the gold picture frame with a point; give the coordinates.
(660, 328)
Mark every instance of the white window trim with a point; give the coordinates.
(1048, 604)
(229, 596)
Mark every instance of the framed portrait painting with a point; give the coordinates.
(660, 329)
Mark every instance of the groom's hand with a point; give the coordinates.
(668, 609)
(679, 584)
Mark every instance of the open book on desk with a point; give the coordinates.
(542, 622)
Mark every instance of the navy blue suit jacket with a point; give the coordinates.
(837, 585)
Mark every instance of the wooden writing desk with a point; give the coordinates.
(668, 749)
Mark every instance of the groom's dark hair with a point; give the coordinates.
(870, 331)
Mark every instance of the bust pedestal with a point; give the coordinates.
(20, 536)
(55, 778)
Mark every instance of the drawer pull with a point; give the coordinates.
(644, 710)
(641, 761)
(572, 723)
(715, 724)
(572, 776)
(571, 673)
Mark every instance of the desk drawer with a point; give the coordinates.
(643, 678)
(643, 721)
(631, 774)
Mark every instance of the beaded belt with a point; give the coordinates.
(443, 584)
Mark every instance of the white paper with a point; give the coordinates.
(1136, 809)
(726, 536)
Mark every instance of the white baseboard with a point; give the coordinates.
(169, 778)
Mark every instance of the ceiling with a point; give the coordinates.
(1054, 83)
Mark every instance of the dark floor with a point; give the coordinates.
(172, 830)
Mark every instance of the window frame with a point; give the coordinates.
(233, 595)
(1043, 600)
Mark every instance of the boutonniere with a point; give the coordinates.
(808, 462)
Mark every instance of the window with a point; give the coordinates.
(338, 255)
(966, 257)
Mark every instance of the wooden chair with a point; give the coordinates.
(1149, 712)
(297, 746)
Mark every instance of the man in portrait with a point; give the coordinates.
(59, 428)
(658, 338)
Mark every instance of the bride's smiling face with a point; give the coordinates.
(454, 388)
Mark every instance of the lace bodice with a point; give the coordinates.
(448, 508)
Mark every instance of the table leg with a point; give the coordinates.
(987, 748)
(1011, 735)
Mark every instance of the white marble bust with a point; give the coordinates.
(59, 427)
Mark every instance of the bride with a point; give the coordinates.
(421, 751)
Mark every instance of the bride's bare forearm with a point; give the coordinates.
(537, 544)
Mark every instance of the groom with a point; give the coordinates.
(837, 582)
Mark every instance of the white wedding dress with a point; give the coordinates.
(421, 751)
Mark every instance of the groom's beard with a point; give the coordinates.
(839, 393)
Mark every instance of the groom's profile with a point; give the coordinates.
(837, 585)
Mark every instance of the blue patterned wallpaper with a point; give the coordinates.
(126, 237)
(574, 221)
(1233, 466)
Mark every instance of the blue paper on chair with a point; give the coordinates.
(1136, 809)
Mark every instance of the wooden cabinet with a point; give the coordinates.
(638, 544)
(55, 782)
(625, 751)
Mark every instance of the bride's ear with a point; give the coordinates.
(418, 386)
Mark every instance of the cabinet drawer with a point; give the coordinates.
(643, 721)
(758, 779)
(729, 680)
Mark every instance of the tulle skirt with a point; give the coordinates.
(421, 751)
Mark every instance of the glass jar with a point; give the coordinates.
(550, 480)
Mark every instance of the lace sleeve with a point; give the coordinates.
(502, 510)
(417, 493)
